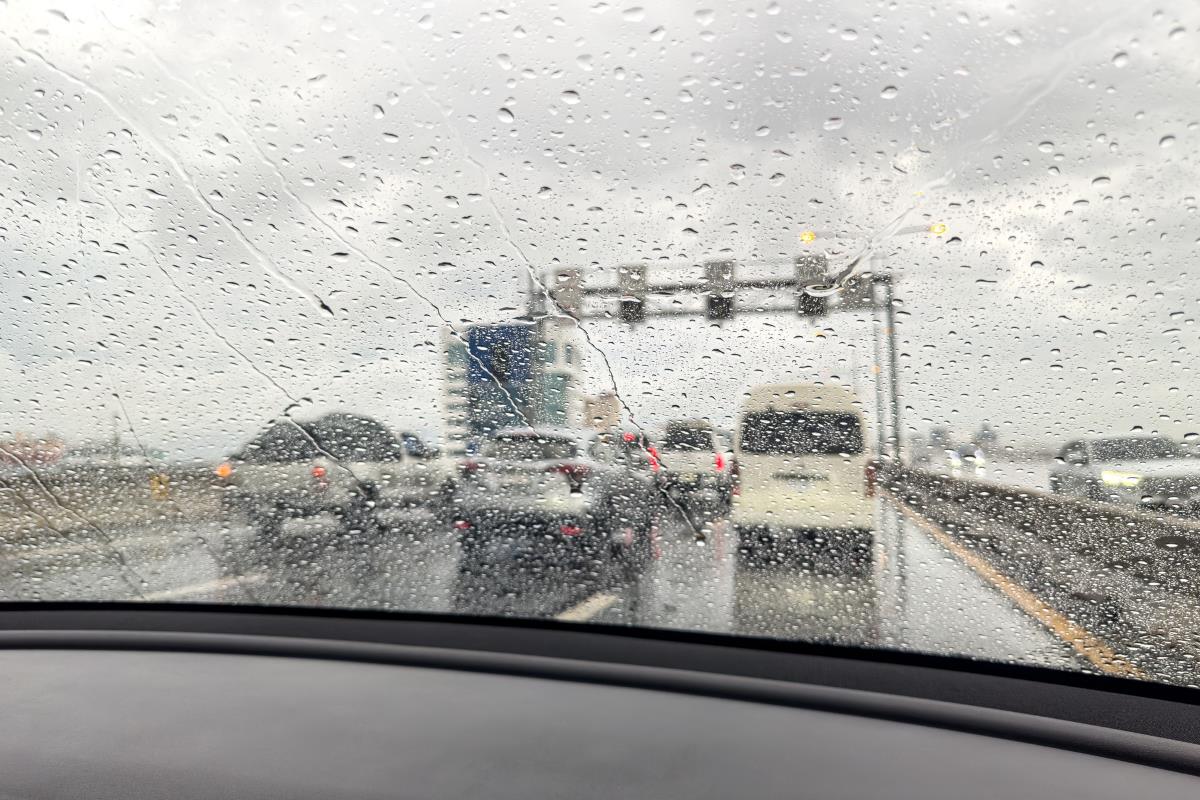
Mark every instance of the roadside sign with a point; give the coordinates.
(160, 486)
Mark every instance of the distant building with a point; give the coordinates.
(986, 437)
(602, 412)
(508, 375)
(107, 454)
(940, 438)
(31, 452)
(455, 426)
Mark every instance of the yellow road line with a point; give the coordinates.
(1080, 639)
(589, 608)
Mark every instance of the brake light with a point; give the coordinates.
(570, 530)
(318, 472)
(720, 462)
(462, 525)
(655, 461)
(575, 474)
(224, 470)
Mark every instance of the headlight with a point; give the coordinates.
(1127, 480)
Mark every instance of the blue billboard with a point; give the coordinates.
(500, 373)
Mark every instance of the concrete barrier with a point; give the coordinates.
(76, 498)
(1130, 576)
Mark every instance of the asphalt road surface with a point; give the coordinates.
(916, 594)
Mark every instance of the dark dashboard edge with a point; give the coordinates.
(1110, 743)
(1164, 712)
(183, 615)
(481, 632)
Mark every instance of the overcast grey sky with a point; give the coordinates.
(186, 183)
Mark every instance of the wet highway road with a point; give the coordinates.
(916, 595)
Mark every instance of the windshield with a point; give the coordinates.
(342, 437)
(840, 322)
(529, 448)
(687, 438)
(282, 442)
(801, 433)
(1134, 449)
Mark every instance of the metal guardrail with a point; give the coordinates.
(982, 487)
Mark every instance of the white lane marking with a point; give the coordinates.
(96, 546)
(591, 607)
(207, 587)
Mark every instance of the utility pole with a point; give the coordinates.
(881, 411)
(889, 338)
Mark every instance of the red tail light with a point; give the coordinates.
(462, 525)
(469, 467)
(320, 477)
(570, 530)
(720, 462)
(575, 474)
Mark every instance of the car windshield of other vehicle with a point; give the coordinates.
(341, 437)
(529, 448)
(282, 442)
(842, 322)
(687, 438)
(1144, 449)
(801, 433)
(621, 450)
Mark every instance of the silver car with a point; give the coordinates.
(1147, 471)
(551, 506)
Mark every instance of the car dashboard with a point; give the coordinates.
(149, 703)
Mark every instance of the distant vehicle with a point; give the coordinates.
(696, 469)
(1147, 471)
(642, 453)
(339, 474)
(555, 507)
(967, 461)
(803, 474)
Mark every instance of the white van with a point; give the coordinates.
(802, 469)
